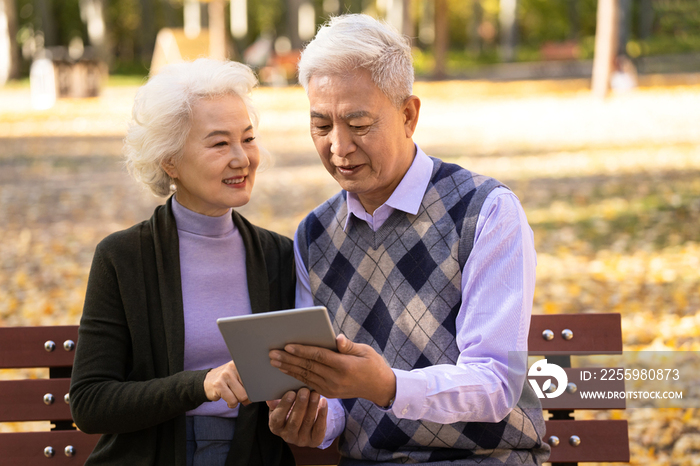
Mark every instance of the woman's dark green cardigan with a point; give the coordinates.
(128, 381)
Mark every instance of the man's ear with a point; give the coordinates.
(169, 167)
(411, 110)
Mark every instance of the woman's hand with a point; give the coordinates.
(299, 418)
(224, 382)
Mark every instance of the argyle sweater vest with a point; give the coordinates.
(398, 290)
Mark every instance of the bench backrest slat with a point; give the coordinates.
(27, 448)
(27, 400)
(592, 334)
(23, 347)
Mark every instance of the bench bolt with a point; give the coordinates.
(66, 398)
(49, 346)
(69, 345)
(571, 387)
(48, 452)
(574, 440)
(553, 440)
(48, 399)
(548, 335)
(567, 334)
(552, 388)
(69, 450)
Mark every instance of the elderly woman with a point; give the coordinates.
(151, 372)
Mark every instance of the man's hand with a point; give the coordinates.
(357, 371)
(299, 418)
(224, 382)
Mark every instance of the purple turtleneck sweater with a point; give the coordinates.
(214, 284)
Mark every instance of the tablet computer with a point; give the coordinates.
(250, 338)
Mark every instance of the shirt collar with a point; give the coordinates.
(407, 196)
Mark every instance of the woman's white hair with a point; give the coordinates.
(162, 113)
(356, 41)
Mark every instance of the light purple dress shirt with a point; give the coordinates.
(214, 284)
(498, 283)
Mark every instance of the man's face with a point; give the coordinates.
(363, 140)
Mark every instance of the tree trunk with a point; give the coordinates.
(398, 14)
(293, 23)
(306, 21)
(426, 27)
(441, 39)
(646, 19)
(92, 13)
(625, 25)
(192, 20)
(217, 30)
(48, 27)
(9, 51)
(574, 19)
(408, 28)
(475, 42)
(507, 18)
(239, 19)
(168, 13)
(606, 37)
(148, 30)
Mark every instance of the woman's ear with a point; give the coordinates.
(169, 167)
(411, 110)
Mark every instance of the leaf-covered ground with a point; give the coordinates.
(611, 189)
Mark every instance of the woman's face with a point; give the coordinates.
(217, 168)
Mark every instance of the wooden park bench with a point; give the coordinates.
(555, 337)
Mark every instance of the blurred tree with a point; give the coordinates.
(472, 28)
(9, 51)
(509, 24)
(477, 16)
(625, 26)
(572, 8)
(398, 14)
(148, 29)
(267, 17)
(441, 39)
(218, 43)
(606, 46)
(646, 18)
(46, 22)
(92, 14)
(123, 19)
(168, 13)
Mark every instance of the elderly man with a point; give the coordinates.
(427, 271)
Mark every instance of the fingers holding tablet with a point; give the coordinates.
(224, 383)
(299, 418)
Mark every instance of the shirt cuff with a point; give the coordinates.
(335, 422)
(411, 389)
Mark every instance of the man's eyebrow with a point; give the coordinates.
(358, 114)
(349, 116)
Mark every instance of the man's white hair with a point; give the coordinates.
(162, 113)
(349, 42)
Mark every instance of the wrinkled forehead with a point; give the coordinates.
(354, 89)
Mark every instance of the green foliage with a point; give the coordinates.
(540, 21)
(675, 27)
(267, 16)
